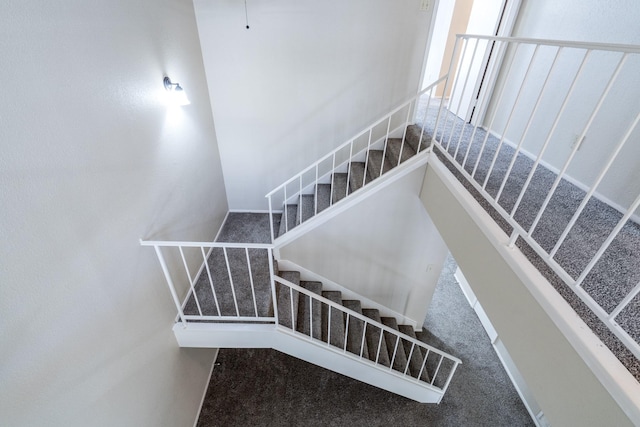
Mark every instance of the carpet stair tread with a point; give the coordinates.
(324, 196)
(375, 339)
(394, 345)
(310, 313)
(308, 208)
(288, 299)
(413, 135)
(417, 358)
(375, 164)
(289, 219)
(339, 188)
(355, 327)
(333, 323)
(356, 176)
(395, 148)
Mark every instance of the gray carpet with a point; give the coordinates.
(613, 276)
(238, 228)
(266, 388)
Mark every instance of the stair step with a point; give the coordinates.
(324, 196)
(336, 321)
(375, 163)
(308, 208)
(310, 313)
(286, 298)
(292, 213)
(377, 346)
(356, 176)
(413, 135)
(355, 344)
(394, 146)
(339, 189)
(415, 363)
(394, 344)
(433, 359)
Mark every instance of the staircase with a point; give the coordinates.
(322, 318)
(238, 298)
(355, 166)
(358, 174)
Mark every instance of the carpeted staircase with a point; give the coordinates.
(236, 309)
(358, 175)
(379, 340)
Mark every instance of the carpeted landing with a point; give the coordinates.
(261, 387)
(612, 277)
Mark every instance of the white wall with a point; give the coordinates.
(438, 42)
(91, 162)
(305, 77)
(590, 21)
(385, 248)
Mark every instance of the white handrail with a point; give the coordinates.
(615, 47)
(185, 244)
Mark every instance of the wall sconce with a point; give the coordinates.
(177, 95)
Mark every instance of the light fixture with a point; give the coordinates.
(177, 95)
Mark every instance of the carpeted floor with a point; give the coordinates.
(261, 387)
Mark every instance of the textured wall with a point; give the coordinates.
(305, 77)
(92, 160)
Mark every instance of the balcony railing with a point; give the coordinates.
(549, 139)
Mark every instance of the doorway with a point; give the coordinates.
(480, 17)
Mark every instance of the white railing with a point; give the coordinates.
(200, 293)
(545, 101)
(435, 368)
(356, 149)
(226, 285)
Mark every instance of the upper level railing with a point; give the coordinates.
(374, 136)
(236, 282)
(549, 138)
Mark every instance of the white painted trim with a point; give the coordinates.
(250, 211)
(464, 285)
(225, 335)
(329, 285)
(206, 387)
(635, 217)
(617, 380)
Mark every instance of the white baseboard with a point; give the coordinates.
(206, 387)
(249, 211)
(329, 285)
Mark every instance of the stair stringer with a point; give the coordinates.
(329, 285)
(354, 198)
(233, 335)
